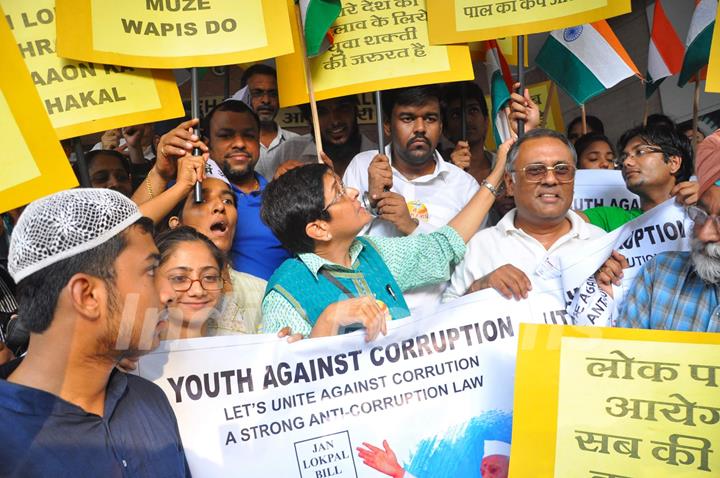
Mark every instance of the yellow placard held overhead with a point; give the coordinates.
(378, 45)
(173, 33)
(457, 21)
(602, 402)
(86, 97)
(33, 163)
(712, 83)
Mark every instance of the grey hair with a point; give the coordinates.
(534, 134)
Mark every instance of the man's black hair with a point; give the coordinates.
(291, 202)
(453, 91)
(305, 107)
(38, 293)
(584, 142)
(412, 96)
(235, 106)
(672, 144)
(593, 124)
(92, 155)
(257, 69)
(657, 120)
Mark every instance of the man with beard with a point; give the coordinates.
(84, 261)
(259, 83)
(341, 137)
(678, 290)
(232, 130)
(410, 185)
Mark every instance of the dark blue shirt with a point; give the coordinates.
(255, 249)
(43, 435)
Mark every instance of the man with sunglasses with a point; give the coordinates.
(656, 164)
(540, 174)
(679, 290)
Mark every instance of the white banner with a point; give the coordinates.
(436, 388)
(602, 187)
(664, 228)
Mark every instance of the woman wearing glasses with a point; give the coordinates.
(192, 265)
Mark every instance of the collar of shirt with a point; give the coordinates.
(314, 262)
(280, 138)
(262, 182)
(441, 169)
(39, 402)
(578, 227)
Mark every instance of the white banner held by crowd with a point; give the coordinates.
(664, 228)
(602, 187)
(435, 388)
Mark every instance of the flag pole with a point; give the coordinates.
(548, 100)
(379, 119)
(311, 90)
(584, 119)
(83, 173)
(696, 107)
(195, 113)
(463, 111)
(521, 78)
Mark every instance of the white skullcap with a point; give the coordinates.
(495, 447)
(243, 94)
(65, 224)
(212, 170)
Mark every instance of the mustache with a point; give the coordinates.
(421, 137)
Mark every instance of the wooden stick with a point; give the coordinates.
(548, 100)
(584, 119)
(645, 113)
(521, 79)
(696, 107)
(311, 90)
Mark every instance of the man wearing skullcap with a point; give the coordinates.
(84, 262)
(679, 290)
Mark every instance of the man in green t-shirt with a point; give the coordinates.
(656, 165)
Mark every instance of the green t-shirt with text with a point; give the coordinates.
(611, 217)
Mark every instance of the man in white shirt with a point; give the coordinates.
(260, 92)
(415, 191)
(523, 249)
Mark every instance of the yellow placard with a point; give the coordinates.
(457, 21)
(603, 402)
(539, 93)
(33, 163)
(173, 33)
(712, 83)
(378, 45)
(85, 97)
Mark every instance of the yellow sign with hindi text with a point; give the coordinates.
(457, 21)
(85, 97)
(378, 45)
(33, 162)
(712, 83)
(620, 403)
(173, 33)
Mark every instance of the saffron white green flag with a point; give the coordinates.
(665, 52)
(699, 38)
(585, 60)
(317, 17)
(499, 92)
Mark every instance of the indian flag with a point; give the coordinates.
(699, 37)
(317, 17)
(585, 60)
(665, 51)
(498, 74)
